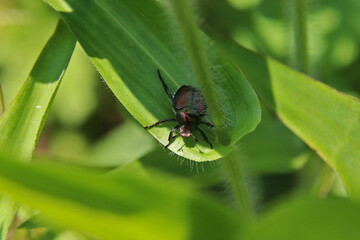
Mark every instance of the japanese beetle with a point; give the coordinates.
(189, 106)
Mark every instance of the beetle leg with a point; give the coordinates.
(207, 124)
(166, 146)
(165, 86)
(204, 137)
(160, 122)
(171, 137)
(172, 131)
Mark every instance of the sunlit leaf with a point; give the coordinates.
(22, 122)
(129, 40)
(121, 146)
(326, 119)
(128, 207)
(273, 148)
(310, 220)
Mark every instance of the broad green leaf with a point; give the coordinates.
(38, 221)
(309, 220)
(129, 40)
(161, 159)
(121, 146)
(129, 207)
(21, 124)
(203, 173)
(326, 119)
(273, 148)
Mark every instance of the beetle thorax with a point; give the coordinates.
(185, 131)
(185, 118)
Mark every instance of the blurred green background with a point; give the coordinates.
(87, 120)
(88, 126)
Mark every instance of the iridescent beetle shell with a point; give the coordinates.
(190, 99)
(189, 107)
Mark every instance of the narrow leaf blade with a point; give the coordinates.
(128, 207)
(21, 124)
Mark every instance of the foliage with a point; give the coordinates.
(96, 173)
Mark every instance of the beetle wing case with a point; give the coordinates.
(190, 98)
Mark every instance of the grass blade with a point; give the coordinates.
(21, 124)
(129, 207)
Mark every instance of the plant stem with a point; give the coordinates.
(201, 67)
(233, 168)
(2, 105)
(324, 182)
(300, 35)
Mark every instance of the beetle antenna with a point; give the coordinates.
(165, 86)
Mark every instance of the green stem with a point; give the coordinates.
(300, 35)
(201, 67)
(2, 105)
(324, 182)
(233, 168)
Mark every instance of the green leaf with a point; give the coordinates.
(129, 207)
(310, 220)
(273, 148)
(129, 40)
(21, 124)
(121, 146)
(326, 119)
(8, 209)
(39, 221)
(195, 49)
(160, 159)
(69, 100)
(205, 174)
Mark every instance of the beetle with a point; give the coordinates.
(189, 107)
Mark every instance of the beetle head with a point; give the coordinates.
(185, 131)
